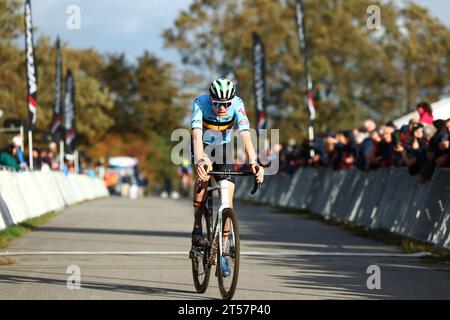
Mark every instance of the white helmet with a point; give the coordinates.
(222, 89)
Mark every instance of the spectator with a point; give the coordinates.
(17, 141)
(367, 151)
(407, 129)
(54, 163)
(419, 146)
(37, 162)
(413, 151)
(111, 180)
(444, 146)
(425, 113)
(434, 151)
(126, 184)
(143, 184)
(330, 143)
(386, 154)
(8, 158)
(345, 151)
(370, 125)
(46, 162)
(90, 172)
(360, 135)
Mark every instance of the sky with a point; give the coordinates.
(133, 26)
(130, 26)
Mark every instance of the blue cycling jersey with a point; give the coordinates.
(218, 130)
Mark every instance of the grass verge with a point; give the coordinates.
(408, 245)
(13, 232)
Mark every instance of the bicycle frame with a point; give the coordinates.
(223, 187)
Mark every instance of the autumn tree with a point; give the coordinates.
(357, 72)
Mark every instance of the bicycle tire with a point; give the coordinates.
(202, 285)
(227, 294)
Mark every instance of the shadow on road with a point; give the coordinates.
(109, 287)
(332, 277)
(273, 229)
(124, 232)
(323, 278)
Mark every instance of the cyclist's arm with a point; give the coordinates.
(197, 131)
(248, 146)
(243, 125)
(197, 141)
(244, 132)
(251, 154)
(200, 159)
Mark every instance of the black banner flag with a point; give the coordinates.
(259, 82)
(69, 114)
(309, 83)
(56, 124)
(31, 67)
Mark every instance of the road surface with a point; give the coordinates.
(284, 257)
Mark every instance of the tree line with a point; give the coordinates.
(357, 72)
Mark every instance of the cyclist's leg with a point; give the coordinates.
(199, 199)
(227, 226)
(226, 234)
(227, 164)
(231, 187)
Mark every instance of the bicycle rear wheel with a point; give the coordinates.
(201, 268)
(231, 252)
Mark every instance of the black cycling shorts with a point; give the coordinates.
(220, 161)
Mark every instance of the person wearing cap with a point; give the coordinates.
(17, 142)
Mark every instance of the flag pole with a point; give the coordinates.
(61, 154)
(76, 164)
(308, 79)
(30, 148)
(31, 69)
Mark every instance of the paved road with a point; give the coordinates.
(163, 226)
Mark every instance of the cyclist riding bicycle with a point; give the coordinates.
(185, 174)
(214, 118)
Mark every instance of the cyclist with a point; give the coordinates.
(214, 117)
(185, 175)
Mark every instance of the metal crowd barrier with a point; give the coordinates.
(388, 198)
(25, 195)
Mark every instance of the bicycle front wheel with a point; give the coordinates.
(231, 253)
(201, 268)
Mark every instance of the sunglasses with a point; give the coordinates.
(219, 104)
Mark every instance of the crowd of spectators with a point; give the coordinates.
(46, 159)
(421, 146)
(118, 182)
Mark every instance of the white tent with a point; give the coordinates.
(441, 110)
(123, 162)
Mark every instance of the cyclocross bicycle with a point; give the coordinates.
(217, 247)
